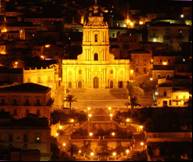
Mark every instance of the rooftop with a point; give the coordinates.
(26, 88)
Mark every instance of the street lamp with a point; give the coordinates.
(110, 108)
(90, 134)
(88, 108)
(92, 154)
(114, 154)
(113, 134)
(127, 151)
(128, 120)
(182, 16)
(89, 116)
(141, 127)
(64, 144)
(47, 46)
(142, 144)
(72, 120)
(111, 116)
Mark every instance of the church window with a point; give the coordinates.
(120, 84)
(96, 37)
(79, 84)
(39, 80)
(111, 84)
(96, 57)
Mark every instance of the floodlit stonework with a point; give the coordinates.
(96, 67)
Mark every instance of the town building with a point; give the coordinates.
(45, 76)
(22, 138)
(23, 99)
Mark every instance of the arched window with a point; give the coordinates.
(96, 57)
(96, 37)
(79, 84)
(96, 82)
(111, 84)
(39, 80)
(120, 84)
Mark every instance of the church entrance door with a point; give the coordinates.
(96, 82)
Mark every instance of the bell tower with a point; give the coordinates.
(95, 37)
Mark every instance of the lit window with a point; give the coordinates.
(37, 139)
(96, 57)
(96, 37)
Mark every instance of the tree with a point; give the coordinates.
(134, 91)
(70, 99)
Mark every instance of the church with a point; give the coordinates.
(96, 67)
(96, 78)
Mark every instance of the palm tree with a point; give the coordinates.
(134, 91)
(70, 99)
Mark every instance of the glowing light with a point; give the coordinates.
(4, 30)
(142, 144)
(64, 144)
(114, 154)
(90, 115)
(42, 57)
(182, 15)
(154, 39)
(92, 154)
(127, 151)
(113, 134)
(16, 63)
(111, 115)
(57, 134)
(110, 108)
(82, 20)
(141, 22)
(72, 121)
(47, 46)
(156, 93)
(124, 25)
(80, 151)
(38, 138)
(60, 127)
(151, 79)
(128, 120)
(164, 63)
(141, 127)
(88, 108)
(131, 72)
(90, 134)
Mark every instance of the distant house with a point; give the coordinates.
(24, 99)
(24, 139)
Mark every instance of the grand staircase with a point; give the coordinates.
(97, 98)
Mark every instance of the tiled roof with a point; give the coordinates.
(26, 87)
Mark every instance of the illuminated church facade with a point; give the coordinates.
(96, 67)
